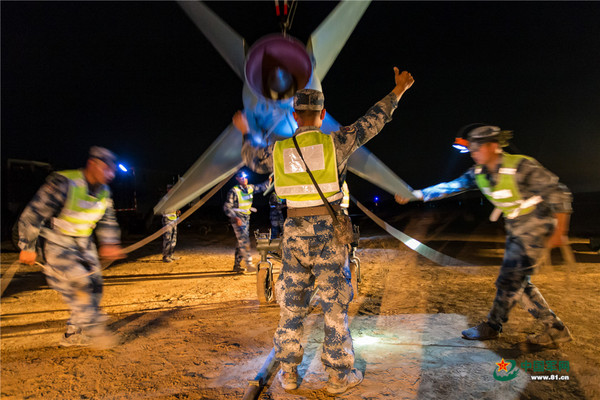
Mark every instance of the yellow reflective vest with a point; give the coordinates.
(81, 210)
(244, 199)
(293, 183)
(505, 194)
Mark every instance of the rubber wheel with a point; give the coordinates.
(265, 287)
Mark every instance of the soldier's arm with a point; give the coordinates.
(229, 205)
(45, 204)
(107, 229)
(463, 183)
(350, 138)
(258, 159)
(533, 178)
(537, 180)
(262, 186)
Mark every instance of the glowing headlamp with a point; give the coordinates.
(461, 144)
(122, 168)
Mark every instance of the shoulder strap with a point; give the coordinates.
(312, 178)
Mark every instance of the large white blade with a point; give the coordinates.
(364, 164)
(228, 43)
(221, 159)
(329, 38)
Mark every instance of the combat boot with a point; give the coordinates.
(167, 259)
(483, 331)
(551, 336)
(337, 386)
(238, 269)
(288, 378)
(75, 339)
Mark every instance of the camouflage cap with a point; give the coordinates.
(103, 154)
(309, 99)
(484, 134)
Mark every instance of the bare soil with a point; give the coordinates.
(192, 329)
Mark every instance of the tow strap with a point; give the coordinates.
(410, 242)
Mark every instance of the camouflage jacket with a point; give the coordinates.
(532, 180)
(346, 140)
(232, 200)
(48, 203)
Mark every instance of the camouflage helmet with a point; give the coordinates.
(104, 155)
(309, 99)
(480, 133)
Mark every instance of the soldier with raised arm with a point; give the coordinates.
(312, 255)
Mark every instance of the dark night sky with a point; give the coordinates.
(139, 78)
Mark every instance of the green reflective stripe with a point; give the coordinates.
(81, 210)
(292, 182)
(244, 199)
(505, 194)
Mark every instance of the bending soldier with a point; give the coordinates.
(311, 254)
(78, 203)
(536, 209)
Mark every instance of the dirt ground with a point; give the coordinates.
(194, 330)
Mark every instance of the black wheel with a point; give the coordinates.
(265, 287)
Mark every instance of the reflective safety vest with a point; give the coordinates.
(293, 183)
(81, 210)
(505, 194)
(244, 199)
(346, 199)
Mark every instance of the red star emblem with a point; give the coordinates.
(502, 365)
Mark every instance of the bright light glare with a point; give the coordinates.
(412, 243)
(461, 148)
(122, 168)
(376, 199)
(364, 340)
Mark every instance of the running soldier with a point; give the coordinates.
(238, 208)
(536, 209)
(311, 254)
(77, 203)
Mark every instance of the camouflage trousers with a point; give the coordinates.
(514, 281)
(276, 223)
(75, 273)
(169, 237)
(242, 250)
(313, 260)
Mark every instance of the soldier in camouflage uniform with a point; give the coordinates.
(77, 203)
(238, 208)
(312, 257)
(170, 235)
(276, 206)
(536, 209)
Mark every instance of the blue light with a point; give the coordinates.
(376, 199)
(461, 148)
(122, 168)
